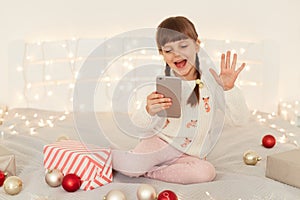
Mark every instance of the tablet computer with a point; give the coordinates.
(170, 87)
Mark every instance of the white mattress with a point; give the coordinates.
(234, 181)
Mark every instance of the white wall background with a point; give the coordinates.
(276, 21)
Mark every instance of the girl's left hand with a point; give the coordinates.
(228, 74)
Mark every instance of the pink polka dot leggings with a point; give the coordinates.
(154, 158)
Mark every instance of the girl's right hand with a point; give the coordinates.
(156, 102)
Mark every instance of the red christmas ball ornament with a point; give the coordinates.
(167, 195)
(268, 141)
(2, 177)
(71, 182)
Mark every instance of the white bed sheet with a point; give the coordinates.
(235, 180)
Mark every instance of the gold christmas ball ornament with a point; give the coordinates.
(12, 185)
(251, 157)
(54, 177)
(146, 192)
(115, 195)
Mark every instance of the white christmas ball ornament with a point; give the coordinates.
(146, 192)
(115, 195)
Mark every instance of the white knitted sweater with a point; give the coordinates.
(199, 127)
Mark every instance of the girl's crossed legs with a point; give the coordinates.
(154, 158)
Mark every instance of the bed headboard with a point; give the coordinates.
(43, 74)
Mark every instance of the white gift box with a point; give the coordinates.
(7, 162)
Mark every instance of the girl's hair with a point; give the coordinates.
(174, 29)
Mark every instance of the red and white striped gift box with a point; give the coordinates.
(91, 163)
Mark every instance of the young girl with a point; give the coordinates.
(177, 150)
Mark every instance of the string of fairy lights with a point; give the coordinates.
(45, 63)
(40, 63)
(269, 120)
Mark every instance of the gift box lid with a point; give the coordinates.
(291, 156)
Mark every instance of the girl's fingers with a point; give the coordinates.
(158, 107)
(161, 105)
(222, 61)
(227, 64)
(158, 101)
(234, 61)
(154, 95)
(240, 68)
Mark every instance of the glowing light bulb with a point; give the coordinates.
(49, 93)
(63, 117)
(36, 97)
(259, 116)
(281, 130)
(242, 50)
(125, 64)
(32, 131)
(47, 77)
(106, 79)
(70, 55)
(130, 67)
(41, 123)
(19, 69)
(27, 123)
(28, 86)
(71, 85)
(138, 104)
(11, 127)
(270, 116)
(247, 67)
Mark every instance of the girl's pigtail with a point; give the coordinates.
(167, 70)
(194, 97)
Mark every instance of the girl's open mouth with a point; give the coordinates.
(180, 64)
